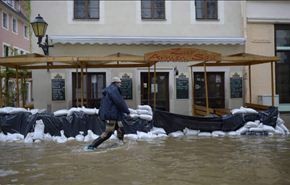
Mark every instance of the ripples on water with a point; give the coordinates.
(187, 160)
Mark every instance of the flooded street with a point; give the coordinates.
(185, 160)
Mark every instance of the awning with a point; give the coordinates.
(140, 40)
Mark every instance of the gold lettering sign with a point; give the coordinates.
(183, 54)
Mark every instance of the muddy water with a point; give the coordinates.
(187, 160)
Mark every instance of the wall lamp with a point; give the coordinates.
(39, 28)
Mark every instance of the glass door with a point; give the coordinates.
(162, 90)
(93, 84)
(216, 92)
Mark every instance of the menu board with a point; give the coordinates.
(58, 88)
(182, 87)
(236, 85)
(126, 87)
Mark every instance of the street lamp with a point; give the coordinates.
(39, 28)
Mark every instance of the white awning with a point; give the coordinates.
(121, 40)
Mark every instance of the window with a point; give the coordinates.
(206, 9)
(282, 35)
(5, 20)
(153, 9)
(5, 51)
(25, 31)
(14, 25)
(86, 9)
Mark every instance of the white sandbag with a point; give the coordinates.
(14, 137)
(38, 130)
(204, 134)
(89, 111)
(140, 111)
(284, 128)
(80, 137)
(144, 135)
(131, 136)
(156, 131)
(251, 124)
(176, 134)
(189, 132)
(242, 130)
(237, 111)
(62, 112)
(73, 109)
(145, 107)
(218, 133)
(3, 137)
(233, 133)
(132, 111)
(249, 110)
(134, 116)
(268, 128)
(279, 130)
(257, 129)
(28, 138)
(280, 121)
(47, 137)
(90, 136)
(145, 117)
(17, 110)
(5, 110)
(61, 138)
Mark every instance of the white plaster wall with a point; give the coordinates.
(122, 18)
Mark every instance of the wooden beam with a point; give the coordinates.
(192, 89)
(82, 85)
(17, 88)
(155, 80)
(206, 89)
(272, 83)
(148, 85)
(250, 84)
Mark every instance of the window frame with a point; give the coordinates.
(86, 9)
(14, 26)
(7, 21)
(152, 8)
(281, 49)
(205, 12)
(25, 31)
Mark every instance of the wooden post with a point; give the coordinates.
(17, 88)
(155, 80)
(250, 85)
(272, 83)
(206, 89)
(82, 85)
(22, 90)
(148, 86)
(192, 87)
(77, 85)
(1, 98)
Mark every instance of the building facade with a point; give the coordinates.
(268, 33)
(14, 30)
(102, 28)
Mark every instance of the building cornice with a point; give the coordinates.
(140, 40)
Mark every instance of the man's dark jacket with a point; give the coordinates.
(113, 105)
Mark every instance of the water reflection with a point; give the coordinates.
(186, 160)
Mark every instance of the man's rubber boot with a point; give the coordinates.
(96, 143)
(120, 133)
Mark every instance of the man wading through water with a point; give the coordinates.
(112, 109)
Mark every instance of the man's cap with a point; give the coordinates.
(116, 80)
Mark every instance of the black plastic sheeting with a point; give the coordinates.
(24, 122)
(174, 122)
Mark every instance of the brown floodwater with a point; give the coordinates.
(177, 161)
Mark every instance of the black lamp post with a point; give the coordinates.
(39, 28)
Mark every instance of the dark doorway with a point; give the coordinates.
(93, 84)
(216, 89)
(162, 90)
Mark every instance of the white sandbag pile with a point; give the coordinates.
(65, 112)
(143, 112)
